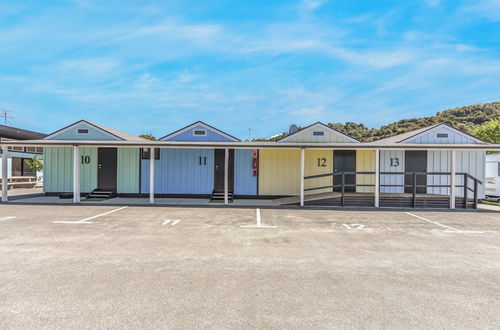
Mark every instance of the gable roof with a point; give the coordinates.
(110, 131)
(401, 138)
(199, 123)
(15, 133)
(283, 139)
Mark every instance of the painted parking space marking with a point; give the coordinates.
(448, 229)
(86, 220)
(354, 226)
(258, 222)
(6, 218)
(170, 222)
(434, 222)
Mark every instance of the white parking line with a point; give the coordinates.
(258, 222)
(448, 228)
(6, 218)
(171, 222)
(85, 221)
(355, 226)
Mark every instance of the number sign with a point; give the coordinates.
(85, 159)
(322, 162)
(394, 162)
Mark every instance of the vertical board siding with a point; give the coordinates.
(93, 134)
(244, 181)
(365, 162)
(430, 137)
(88, 172)
(279, 172)
(212, 136)
(57, 169)
(178, 172)
(312, 168)
(128, 170)
(471, 162)
(385, 166)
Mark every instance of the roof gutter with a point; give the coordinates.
(250, 145)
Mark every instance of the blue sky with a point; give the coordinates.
(156, 66)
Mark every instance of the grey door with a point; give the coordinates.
(416, 161)
(106, 169)
(344, 161)
(219, 170)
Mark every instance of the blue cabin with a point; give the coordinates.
(199, 171)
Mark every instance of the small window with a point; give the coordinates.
(145, 153)
(16, 148)
(498, 169)
(199, 132)
(318, 133)
(442, 135)
(83, 131)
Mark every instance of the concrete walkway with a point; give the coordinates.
(143, 201)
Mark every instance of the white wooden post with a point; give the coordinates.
(302, 166)
(151, 175)
(377, 178)
(76, 174)
(5, 175)
(452, 178)
(226, 175)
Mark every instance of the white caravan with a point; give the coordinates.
(493, 177)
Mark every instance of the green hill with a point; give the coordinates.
(464, 118)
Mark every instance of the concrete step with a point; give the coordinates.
(311, 197)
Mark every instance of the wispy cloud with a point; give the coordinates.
(160, 67)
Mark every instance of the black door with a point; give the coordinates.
(219, 170)
(106, 169)
(344, 161)
(416, 161)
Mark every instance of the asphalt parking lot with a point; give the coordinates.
(158, 267)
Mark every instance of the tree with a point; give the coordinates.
(35, 164)
(489, 132)
(148, 136)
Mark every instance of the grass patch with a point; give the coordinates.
(218, 201)
(491, 203)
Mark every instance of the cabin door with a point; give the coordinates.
(344, 161)
(219, 170)
(106, 169)
(416, 161)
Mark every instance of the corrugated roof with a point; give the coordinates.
(15, 133)
(325, 126)
(404, 136)
(119, 134)
(408, 135)
(122, 135)
(199, 122)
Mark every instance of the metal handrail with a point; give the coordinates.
(414, 184)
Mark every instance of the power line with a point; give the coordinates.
(6, 114)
